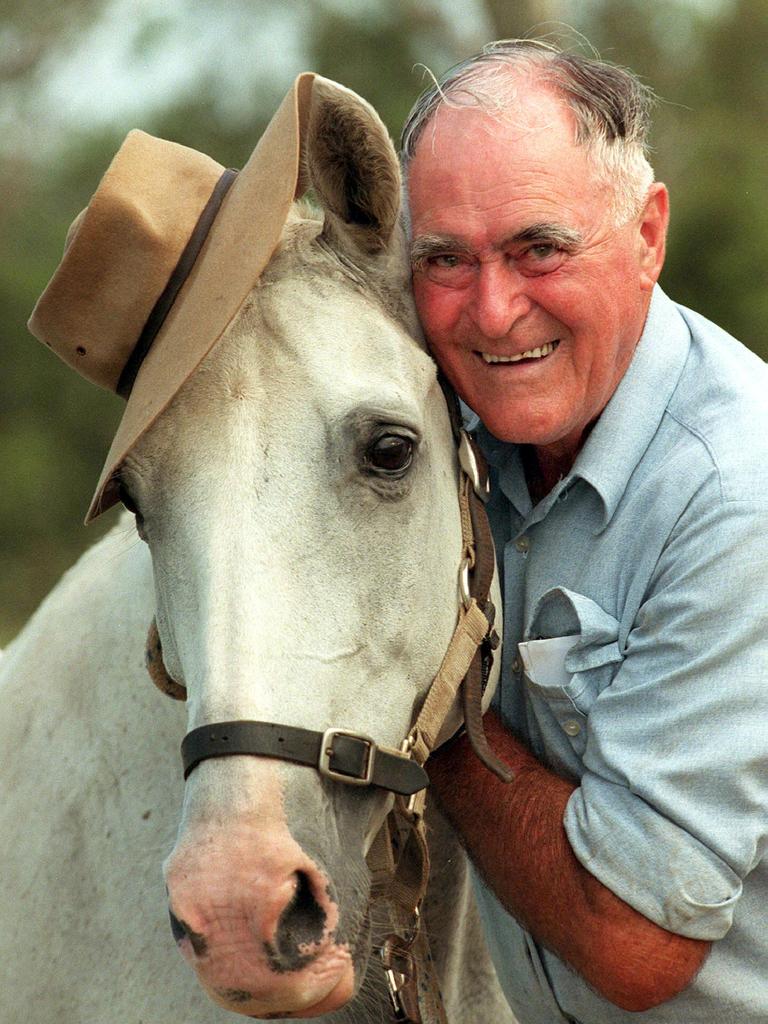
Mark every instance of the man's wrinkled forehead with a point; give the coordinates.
(522, 112)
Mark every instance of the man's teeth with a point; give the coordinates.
(532, 353)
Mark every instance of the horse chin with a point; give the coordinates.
(327, 991)
(304, 1005)
(336, 998)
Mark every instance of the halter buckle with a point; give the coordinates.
(401, 971)
(359, 774)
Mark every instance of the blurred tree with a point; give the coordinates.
(711, 145)
(717, 262)
(28, 32)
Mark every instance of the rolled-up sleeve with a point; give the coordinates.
(672, 808)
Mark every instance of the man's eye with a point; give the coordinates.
(542, 258)
(447, 260)
(448, 268)
(542, 252)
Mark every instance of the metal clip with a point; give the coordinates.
(402, 980)
(468, 462)
(466, 597)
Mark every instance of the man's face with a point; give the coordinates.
(532, 300)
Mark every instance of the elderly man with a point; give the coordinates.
(624, 868)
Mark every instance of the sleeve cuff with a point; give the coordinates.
(649, 862)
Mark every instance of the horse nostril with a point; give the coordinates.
(182, 931)
(177, 928)
(300, 927)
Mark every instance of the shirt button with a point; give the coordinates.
(517, 664)
(572, 727)
(523, 545)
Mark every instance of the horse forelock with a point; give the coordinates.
(306, 250)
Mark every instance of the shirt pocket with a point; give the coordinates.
(572, 656)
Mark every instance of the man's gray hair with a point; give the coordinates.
(610, 105)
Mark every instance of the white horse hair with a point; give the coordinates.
(302, 543)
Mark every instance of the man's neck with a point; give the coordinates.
(545, 467)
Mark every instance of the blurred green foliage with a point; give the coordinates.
(707, 62)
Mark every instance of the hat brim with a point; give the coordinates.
(239, 246)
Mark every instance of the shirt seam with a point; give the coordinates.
(707, 447)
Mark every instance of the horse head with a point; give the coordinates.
(298, 497)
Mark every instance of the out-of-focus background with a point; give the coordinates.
(76, 75)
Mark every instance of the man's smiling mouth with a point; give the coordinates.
(532, 353)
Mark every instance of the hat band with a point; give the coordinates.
(181, 272)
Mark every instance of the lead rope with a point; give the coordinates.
(399, 856)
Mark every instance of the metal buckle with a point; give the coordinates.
(402, 981)
(468, 463)
(326, 753)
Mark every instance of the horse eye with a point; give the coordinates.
(390, 455)
(128, 502)
(126, 499)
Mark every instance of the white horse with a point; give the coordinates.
(300, 543)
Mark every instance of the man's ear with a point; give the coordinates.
(654, 221)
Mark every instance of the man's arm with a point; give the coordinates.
(514, 834)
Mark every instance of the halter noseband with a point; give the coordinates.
(336, 753)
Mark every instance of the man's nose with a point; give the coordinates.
(499, 300)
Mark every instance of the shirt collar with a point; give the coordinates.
(627, 424)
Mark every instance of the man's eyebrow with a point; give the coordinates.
(425, 246)
(557, 234)
(432, 245)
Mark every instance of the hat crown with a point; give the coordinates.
(120, 252)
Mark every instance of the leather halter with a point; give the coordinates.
(356, 759)
(398, 859)
(337, 754)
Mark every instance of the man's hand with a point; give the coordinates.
(514, 834)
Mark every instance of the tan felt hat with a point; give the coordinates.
(161, 260)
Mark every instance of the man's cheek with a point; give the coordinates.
(437, 309)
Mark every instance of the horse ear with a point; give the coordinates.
(352, 166)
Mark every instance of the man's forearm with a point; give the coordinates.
(515, 835)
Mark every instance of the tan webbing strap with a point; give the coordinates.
(469, 634)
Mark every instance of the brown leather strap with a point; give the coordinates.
(480, 579)
(452, 402)
(472, 694)
(340, 755)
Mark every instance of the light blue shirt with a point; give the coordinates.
(652, 553)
